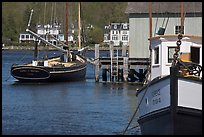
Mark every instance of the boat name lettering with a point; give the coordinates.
(29, 70)
(156, 101)
(156, 93)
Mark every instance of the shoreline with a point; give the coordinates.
(50, 48)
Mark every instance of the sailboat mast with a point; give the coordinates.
(150, 20)
(66, 27)
(182, 18)
(79, 24)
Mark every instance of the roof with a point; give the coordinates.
(163, 7)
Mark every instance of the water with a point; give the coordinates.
(64, 108)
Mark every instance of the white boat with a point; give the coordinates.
(171, 102)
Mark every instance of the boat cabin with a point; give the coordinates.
(163, 49)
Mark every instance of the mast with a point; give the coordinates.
(66, 27)
(182, 18)
(79, 24)
(150, 36)
(150, 20)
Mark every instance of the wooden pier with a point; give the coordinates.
(121, 68)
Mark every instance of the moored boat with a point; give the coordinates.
(171, 101)
(67, 67)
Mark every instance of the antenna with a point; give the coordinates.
(30, 18)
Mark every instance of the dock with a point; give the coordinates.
(119, 68)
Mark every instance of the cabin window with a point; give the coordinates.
(171, 51)
(178, 29)
(156, 55)
(195, 54)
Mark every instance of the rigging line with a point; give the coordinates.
(163, 21)
(156, 23)
(52, 10)
(44, 12)
(136, 108)
(55, 18)
(17, 63)
(194, 9)
(166, 22)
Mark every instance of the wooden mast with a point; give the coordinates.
(150, 36)
(66, 27)
(79, 25)
(150, 20)
(182, 18)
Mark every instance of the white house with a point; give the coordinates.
(42, 30)
(118, 33)
(23, 37)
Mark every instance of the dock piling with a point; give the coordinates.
(97, 62)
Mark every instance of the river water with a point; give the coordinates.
(64, 108)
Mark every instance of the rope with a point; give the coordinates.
(8, 78)
(17, 63)
(136, 110)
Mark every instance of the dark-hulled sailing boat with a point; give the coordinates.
(67, 67)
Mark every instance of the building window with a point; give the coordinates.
(195, 55)
(114, 37)
(156, 55)
(125, 32)
(124, 38)
(171, 51)
(115, 26)
(178, 29)
(22, 36)
(27, 36)
(125, 26)
(105, 37)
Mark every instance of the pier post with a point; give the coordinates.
(97, 62)
(124, 50)
(125, 68)
(111, 56)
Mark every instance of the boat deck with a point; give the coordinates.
(56, 62)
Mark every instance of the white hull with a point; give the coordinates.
(169, 102)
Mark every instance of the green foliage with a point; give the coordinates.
(95, 36)
(15, 16)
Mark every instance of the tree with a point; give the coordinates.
(11, 32)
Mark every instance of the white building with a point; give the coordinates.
(164, 14)
(118, 33)
(42, 30)
(23, 37)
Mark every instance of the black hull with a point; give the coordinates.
(184, 122)
(46, 74)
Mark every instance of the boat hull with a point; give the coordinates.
(184, 122)
(40, 74)
(171, 105)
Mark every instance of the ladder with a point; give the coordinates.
(114, 66)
